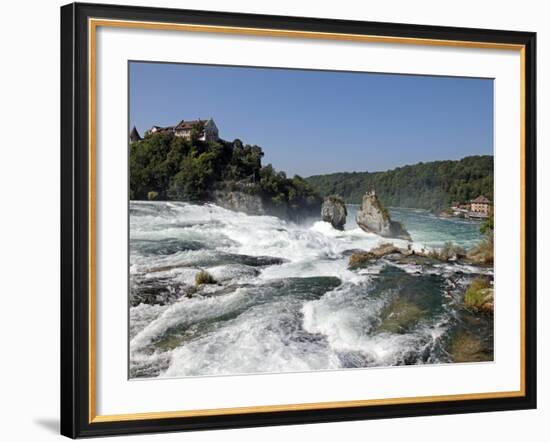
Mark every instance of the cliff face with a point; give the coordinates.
(257, 204)
(240, 202)
(374, 218)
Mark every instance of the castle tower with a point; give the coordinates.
(134, 135)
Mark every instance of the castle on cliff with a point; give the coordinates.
(207, 129)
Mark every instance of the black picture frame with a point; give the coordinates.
(75, 221)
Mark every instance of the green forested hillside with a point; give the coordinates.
(166, 167)
(431, 185)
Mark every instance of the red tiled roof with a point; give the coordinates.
(188, 125)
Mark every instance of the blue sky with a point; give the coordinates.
(313, 122)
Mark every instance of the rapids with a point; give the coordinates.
(284, 298)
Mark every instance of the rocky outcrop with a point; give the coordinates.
(449, 253)
(359, 259)
(157, 290)
(488, 301)
(467, 347)
(240, 202)
(334, 211)
(253, 203)
(373, 217)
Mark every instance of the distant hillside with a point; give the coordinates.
(431, 185)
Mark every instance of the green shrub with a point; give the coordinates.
(488, 226)
(483, 253)
(476, 294)
(203, 277)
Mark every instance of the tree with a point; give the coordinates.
(432, 185)
(191, 182)
(196, 132)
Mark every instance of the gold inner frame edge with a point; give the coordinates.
(93, 24)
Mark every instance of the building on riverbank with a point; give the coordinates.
(480, 207)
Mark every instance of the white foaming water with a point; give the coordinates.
(186, 312)
(257, 341)
(347, 318)
(284, 300)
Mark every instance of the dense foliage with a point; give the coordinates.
(166, 167)
(433, 185)
(488, 225)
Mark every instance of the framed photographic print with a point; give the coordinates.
(279, 220)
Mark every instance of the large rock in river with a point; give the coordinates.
(334, 211)
(373, 217)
